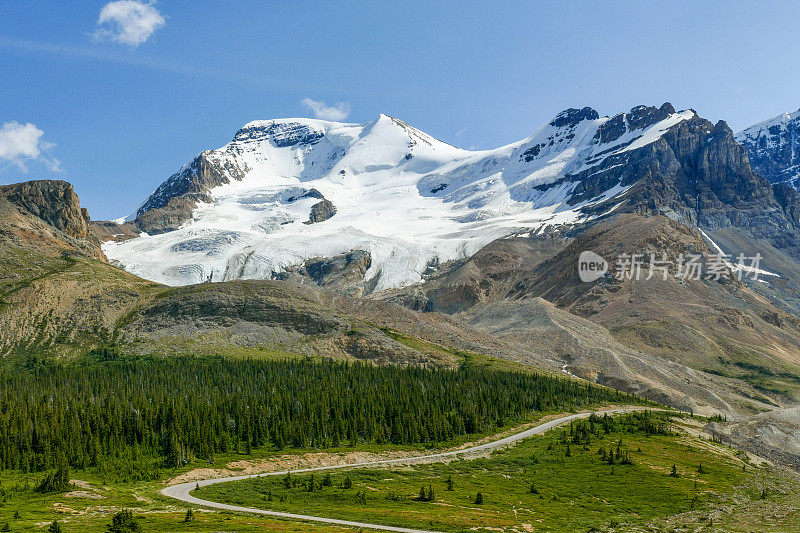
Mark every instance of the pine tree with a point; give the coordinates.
(189, 515)
(124, 522)
(55, 527)
(450, 483)
(479, 499)
(674, 472)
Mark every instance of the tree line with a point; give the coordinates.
(131, 415)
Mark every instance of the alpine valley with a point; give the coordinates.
(377, 242)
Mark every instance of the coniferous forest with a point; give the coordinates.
(131, 416)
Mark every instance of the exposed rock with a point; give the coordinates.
(215, 305)
(173, 202)
(696, 172)
(46, 212)
(343, 273)
(484, 277)
(321, 211)
(572, 116)
(773, 148)
(789, 199)
(107, 230)
(280, 134)
(53, 201)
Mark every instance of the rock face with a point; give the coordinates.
(42, 213)
(172, 203)
(321, 212)
(53, 201)
(774, 148)
(343, 273)
(696, 173)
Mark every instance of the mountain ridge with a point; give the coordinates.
(399, 195)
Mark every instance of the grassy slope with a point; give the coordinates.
(157, 513)
(575, 492)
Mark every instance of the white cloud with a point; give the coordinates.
(337, 112)
(129, 22)
(20, 143)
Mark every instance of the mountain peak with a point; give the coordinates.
(400, 195)
(572, 116)
(774, 148)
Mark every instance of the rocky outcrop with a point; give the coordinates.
(38, 213)
(53, 201)
(572, 116)
(321, 211)
(343, 273)
(173, 202)
(280, 134)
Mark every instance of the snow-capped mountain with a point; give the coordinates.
(774, 148)
(288, 191)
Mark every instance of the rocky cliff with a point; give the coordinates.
(37, 212)
(173, 202)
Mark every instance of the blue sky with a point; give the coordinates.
(117, 107)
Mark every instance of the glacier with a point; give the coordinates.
(409, 200)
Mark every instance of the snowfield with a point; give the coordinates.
(408, 199)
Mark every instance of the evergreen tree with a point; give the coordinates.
(124, 522)
(55, 527)
(479, 499)
(674, 472)
(189, 515)
(57, 481)
(450, 483)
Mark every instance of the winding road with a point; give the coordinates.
(182, 491)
